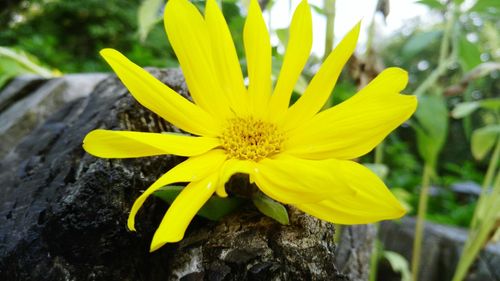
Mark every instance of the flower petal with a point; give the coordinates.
(159, 98)
(297, 53)
(188, 34)
(354, 127)
(226, 63)
(370, 202)
(183, 209)
(258, 54)
(126, 144)
(322, 84)
(293, 180)
(193, 169)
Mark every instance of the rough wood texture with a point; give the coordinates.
(63, 212)
(354, 251)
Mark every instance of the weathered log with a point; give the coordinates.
(442, 246)
(63, 212)
(29, 100)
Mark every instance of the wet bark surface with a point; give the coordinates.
(63, 212)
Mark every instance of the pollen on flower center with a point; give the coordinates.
(251, 139)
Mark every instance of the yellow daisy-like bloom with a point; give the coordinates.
(297, 155)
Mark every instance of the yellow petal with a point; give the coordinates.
(332, 211)
(193, 169)
(159, 98)
(322, 84)
(231, 167)
(189, 37)
(354, 127)
(183, 209)
(126, 144)
(370, 202)
(226, 63)
(293, 180)
(297, 53)
(258, 54)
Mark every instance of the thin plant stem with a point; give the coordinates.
(478, 237)
(371, 34)
(378, 159)
(445, 42)
(488, 178)
(492, 167)
(379, 150)
(419, 227)
(329, 8)
(484, 218)
(445, 58)
(379, 153)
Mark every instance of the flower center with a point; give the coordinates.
(251, 139)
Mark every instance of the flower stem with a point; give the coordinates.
(329, 8)
(419, 227)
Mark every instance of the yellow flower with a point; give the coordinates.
(298, 155)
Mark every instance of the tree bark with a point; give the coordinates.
(63, 212)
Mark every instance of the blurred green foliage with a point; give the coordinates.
(469, 80)
(68, 35)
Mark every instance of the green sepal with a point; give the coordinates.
(271, 208)
(214, 209)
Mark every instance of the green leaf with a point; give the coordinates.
(433, 4)
(271, 208)
(464, 109)
(168, 193)
(488, 7)
(490, 32)
(398, 264)
(419, 42)
(148, 16)
(318, 9)
(214, 209)
(468, 54)
(493, 104)
(431, 127)
(483, 140)
(15, 62)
